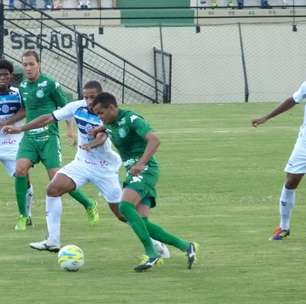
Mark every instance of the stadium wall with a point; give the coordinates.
(207, 67)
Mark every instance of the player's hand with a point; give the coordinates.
(86, 147)
(258, 121)
(137, 169)
(94, 131)
(11, 130)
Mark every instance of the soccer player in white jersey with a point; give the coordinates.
(95, 162)
(296, 165)
(11, 112)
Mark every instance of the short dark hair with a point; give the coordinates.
(93, 84)
(6, 65)
(105, 100)
(31, 53)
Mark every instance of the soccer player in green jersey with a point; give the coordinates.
(137, 144)
(41, 95)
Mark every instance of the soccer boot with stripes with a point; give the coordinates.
(148, 263)
(279, 234)
(44, 245)
(191, 254)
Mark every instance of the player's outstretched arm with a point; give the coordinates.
(38, 122)
(281, 108)
(153, 143)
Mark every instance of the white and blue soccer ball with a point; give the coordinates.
(71, 258)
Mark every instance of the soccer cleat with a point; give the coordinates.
(21, 223)
(93, 214)
(148, 263)
(279, 234)
(191, 254)
(29, 221)
(43, 245)
(161, 249)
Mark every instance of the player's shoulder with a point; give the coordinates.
(14, 91)
(47, 80)
(130, 115)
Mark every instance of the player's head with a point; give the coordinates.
(31, 65)
(6, 74)
(105, 105)
(90, 90)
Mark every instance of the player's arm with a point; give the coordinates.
(281, 108)
(98, 141)
(38, 122)
(95, 131)
(143, 129)
(153, 143)
(20, 114)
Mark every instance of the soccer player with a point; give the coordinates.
(296, 165)
(137, 144)
(41, 95)
(95, 162)
(11, 112)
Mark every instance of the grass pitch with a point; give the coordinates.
(220, 184)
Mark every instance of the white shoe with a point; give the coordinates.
(43, 245)
(161, 249)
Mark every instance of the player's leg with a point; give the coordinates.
(164, 236)
(10, 168)
(26, 157)
(286, 204)
(23, 166)
(52, 158)
(59, 185)
(295, 169)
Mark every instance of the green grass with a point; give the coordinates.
(220, 184)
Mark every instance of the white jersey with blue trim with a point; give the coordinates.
(85, 121)
(10, 103)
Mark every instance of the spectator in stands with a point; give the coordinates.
(48, 4)
(29, 2)
(240, 4)
(265, 4)
(11, 4)
(84, 4)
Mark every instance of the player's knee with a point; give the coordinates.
(53, 191)
(21, 170)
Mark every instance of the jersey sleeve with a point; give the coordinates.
(300, 94)
(58, 94)
(139, 125)
(66, 112)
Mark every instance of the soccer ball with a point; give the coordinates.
(71, 258)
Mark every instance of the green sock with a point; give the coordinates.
(21, 187)
(159, 234)
(129, 211)
(82, 198)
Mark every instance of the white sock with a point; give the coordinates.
(286, 203)
(29, 200)
(53, 217)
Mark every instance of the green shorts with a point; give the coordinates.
(144, 184)
(46, 149)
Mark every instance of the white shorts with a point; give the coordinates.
(297, 160)
(107, 181)
(10, 166)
